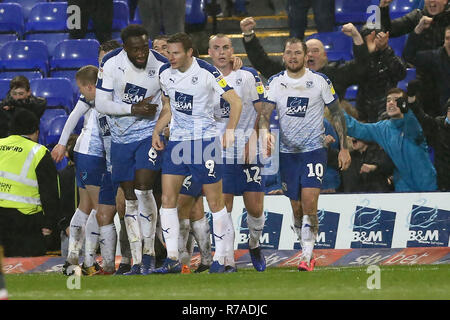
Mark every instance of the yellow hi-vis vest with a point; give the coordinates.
(19, 158)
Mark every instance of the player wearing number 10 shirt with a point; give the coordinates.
(300, 96)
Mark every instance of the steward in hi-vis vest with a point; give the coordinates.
(29, 197)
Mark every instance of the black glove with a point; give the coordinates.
(402, 104)
(413, 87)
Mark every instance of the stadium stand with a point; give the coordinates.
(4, 88)
(121, 16)
(55, 130)
(195, 12)
(47, 16)
(29, 74)
(73, 54)
(337, 45)
(401, 7)
(46, 120)
(398, 44)
(353, 11)
(51, 39)
(27, 5)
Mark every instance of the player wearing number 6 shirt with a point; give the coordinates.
(189, 85)
(128, 78)
(300, 95)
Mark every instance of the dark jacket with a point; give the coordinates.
(70, 197)
(384, 70)
(34, 104)
(437, 132)
(436, 61)
(341, 73)
(429, 39)
(374, 181)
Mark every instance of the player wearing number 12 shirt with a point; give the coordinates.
(300, 96)
(189, 85)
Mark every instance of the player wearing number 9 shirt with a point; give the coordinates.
(300, 96)
(188, 86)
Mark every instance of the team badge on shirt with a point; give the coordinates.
(297, 106)
(184, 102)
(151, 73)
(194, 80)
(133, 93)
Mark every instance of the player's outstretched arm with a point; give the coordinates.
(235, 112)
(339, 124)
(164, 118)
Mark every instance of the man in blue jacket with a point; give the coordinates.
(403, 140)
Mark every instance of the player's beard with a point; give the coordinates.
(296, 69)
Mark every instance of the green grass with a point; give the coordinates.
(397, 282)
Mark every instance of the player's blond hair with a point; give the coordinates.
(87, 75)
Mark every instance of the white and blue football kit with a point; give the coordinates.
(193, 147)
(240, 177)
(131, 135)
(300, 105)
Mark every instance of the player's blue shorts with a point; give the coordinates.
(191, 188)
(108, 190)
(200, 158)
(240, 178)
(89, 169)
(302, 170)
(127, 158)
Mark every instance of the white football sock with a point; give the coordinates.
(298, 229)
(133, 230)
(202, 235)
(309, 235)
(125, 250)
(147, 219)
(221, 233)
(108, 242)
(182, 241)
(171, 230)
(229, 260)
(91, 244)
(76, 235)
(255, 229)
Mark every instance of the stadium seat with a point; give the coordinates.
(47, 16)
(137, 17)
(6, 37)
(410, 75)
(69, 74)
(51, 39)
(55, 129)
(353, 10)
(24, 55)
(399, 8)
(57, 91)
(73, 54)
(11, 18)
(398, 44)
(351, 93)
(29, 74)
(4, 88)
(27, 5)
(195, 12)
(45, 122)
(337, 45)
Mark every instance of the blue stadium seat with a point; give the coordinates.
(55, 129)
(398, 44)
(11, 18)
(57, 91)
(399, 8)
(410, 75)
(69, 74)
(24, 55)
(137, 17)
(29, 74)
(195, 12)
(47, 16)
(45, 122)
(351, 92)
(51, 39)
(73, 54)
(337, 45)
(353, 10)
(27, 5)
(4, 88)
(6, 37)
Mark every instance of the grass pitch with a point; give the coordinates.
(397, 282)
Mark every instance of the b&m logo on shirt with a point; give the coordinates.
(224, 108)
(133, 93)
(184, 102)
(297, 106)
